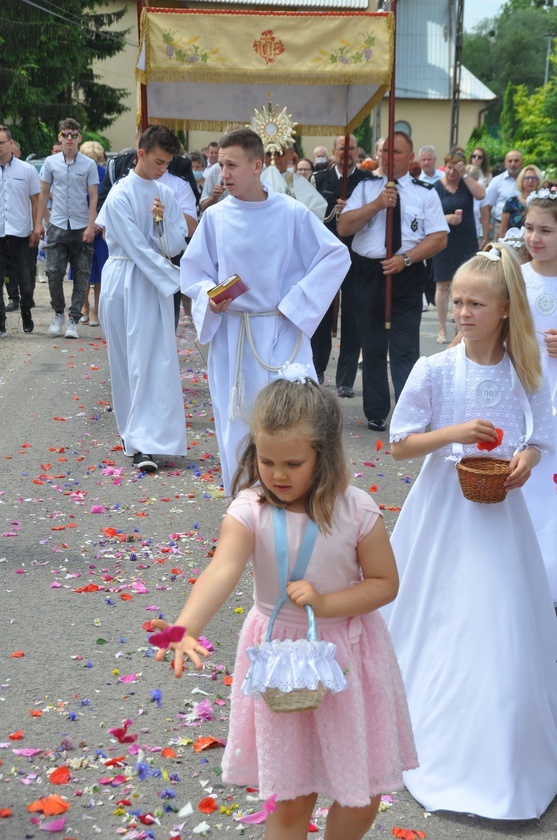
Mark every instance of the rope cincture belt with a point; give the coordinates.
(238, 389)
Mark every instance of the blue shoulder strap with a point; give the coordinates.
(281, 551)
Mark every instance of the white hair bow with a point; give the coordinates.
(493, 254)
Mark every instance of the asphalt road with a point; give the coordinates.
(75, 664)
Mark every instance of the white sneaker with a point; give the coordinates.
(71, 329)
(57, 324)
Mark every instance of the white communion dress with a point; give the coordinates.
(540, 491)
(473, 625)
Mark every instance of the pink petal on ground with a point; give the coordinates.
(53, 825)
(254, 819)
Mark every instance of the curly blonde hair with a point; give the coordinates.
(305, 409)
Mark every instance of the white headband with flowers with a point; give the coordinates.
(544, 193)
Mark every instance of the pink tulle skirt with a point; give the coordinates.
(354, 746)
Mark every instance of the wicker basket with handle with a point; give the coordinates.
(299, 699)
(482, 479)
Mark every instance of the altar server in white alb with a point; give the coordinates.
(136, 305)
(292, 266)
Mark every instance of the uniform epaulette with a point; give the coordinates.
(422, 183)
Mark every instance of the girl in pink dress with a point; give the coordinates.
(357, 743)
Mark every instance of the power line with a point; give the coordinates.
(78, 23)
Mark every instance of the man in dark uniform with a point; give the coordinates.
(422, 232)
(329, 183)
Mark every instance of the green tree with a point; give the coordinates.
(511, 48)
(536, 131)
(46, 68)
(509, 117)
(363, 134)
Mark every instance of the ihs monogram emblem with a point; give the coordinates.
(268, 47)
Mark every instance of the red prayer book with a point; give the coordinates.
(232, 287)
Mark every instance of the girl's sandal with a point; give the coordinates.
(442, 337)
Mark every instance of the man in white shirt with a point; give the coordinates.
(500, 188)
(72, 179)
(422, 233)
(19, 197)
(427, 158)
(212, 155)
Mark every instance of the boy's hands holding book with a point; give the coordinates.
(220, 307)
(222, 295)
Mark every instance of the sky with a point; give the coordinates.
(477, 10)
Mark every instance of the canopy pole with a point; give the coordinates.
(390, 175)
(143, 114)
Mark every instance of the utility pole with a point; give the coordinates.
(457, 71)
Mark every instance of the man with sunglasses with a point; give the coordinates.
(72, 179)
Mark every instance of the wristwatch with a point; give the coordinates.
(464, 177)
(407, 260)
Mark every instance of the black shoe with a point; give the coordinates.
(320, 378)
(345, 391)
(27, 321)
(378, 425)
(144, 462)
(12, 306)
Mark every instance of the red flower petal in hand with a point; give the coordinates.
(168, 635)
(489, 445)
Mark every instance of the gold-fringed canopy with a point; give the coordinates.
(205, 69)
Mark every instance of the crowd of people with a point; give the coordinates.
(266, 248)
